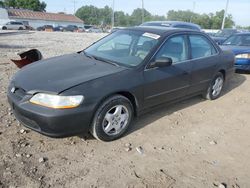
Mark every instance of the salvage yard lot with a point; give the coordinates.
(195, 143)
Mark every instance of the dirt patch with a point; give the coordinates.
(195, 143)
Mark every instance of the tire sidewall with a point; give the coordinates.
(210, 89)
(97, 128)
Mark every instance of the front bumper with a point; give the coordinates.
(242, 65)
(51, 122)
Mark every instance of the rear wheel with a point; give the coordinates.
(112, 118)
(4, 28)
(215, 87)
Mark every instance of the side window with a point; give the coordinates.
(201, 46)
(174, 48)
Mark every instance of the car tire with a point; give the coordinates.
(20, 28)
(4, 28)
(215, 87)
(112, 118)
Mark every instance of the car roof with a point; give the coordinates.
(173, 23)
(160, 30)
(243, 33)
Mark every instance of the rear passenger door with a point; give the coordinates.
(203, 59)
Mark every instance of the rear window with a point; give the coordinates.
(201, 47)
(187, 27)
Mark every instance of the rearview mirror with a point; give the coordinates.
(162, 62)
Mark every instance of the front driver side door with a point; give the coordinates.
(172, 82)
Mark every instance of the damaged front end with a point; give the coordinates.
(27, 57)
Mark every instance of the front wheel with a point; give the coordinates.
(112, 118)
(215, 87)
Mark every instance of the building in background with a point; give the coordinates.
(36, 19)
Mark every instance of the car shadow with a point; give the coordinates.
(160, 111)
(11, 46)
(233, 83)
(167, 109)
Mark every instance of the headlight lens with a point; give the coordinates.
(244, 56)
(57, 101)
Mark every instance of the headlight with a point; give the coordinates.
(243, 56)
(57, 101)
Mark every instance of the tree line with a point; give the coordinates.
(102, 16)
(34, 5)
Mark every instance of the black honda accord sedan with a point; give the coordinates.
(102, 88)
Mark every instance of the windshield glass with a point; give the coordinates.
(125, 47)
(238, 40)
(224, 33)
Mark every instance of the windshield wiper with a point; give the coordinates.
(88, 55)
(106, 61)
(100, 59)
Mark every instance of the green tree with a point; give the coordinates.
(121, 19)
(136, 17)
(217, 20)
(34, 5)
(206, 21)
(89, 14)
(2, 4)
(104, 14)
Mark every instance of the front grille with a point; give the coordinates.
(19, 93)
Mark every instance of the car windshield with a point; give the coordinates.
(124, 47)
(224, 33)
(238, 40)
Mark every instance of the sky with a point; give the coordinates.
(240, 9)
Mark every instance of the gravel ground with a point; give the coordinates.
(195, 143)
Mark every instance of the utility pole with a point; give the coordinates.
(113, 15)
(74, 1)
(225, 15)
(194, 6)
(142, 14)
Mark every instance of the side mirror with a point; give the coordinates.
(161, 62)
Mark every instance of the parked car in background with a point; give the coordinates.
(70, 28)
(87, 27)
(95, 30)
(223, 34)
(176, 24)
(240, 45)
(28, 27)
(45, 27)
(13, 26)
(81, 29)
(59, 28)
(116, 29)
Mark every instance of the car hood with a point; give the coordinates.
(236, 49)
(218, 39)
(61, 73)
